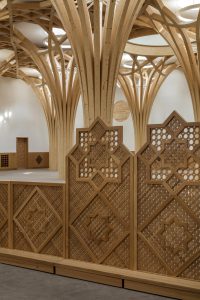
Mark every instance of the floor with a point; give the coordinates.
(22, 284)
(32, 175)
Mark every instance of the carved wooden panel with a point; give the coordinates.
(8, 161)
(38, 160)
(99, 192)
(38, 218)
(22, 153)
(4, 215)
(168, 184)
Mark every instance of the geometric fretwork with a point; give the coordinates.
(168, 199)
(95, 152)
(99, 193)
(38, 218)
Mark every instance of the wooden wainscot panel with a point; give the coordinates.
(89, 276)
(38, 217)
(165, 286)
(38, 160)
(4, 214)
(151, 283)
(100, 191)
(168, 185)
(8, 161)
(27, 260)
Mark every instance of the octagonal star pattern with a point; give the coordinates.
(99, 228)
(37, 220)
(96, 152)
(99, 179)
(174, 234)
(168, 203)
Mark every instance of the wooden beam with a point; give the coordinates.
(143, 50)
(136, 280)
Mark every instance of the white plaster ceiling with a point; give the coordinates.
(34, 32)
(179, 7)
(5, 54)
(30, 72)
(37, 35)
(151, 40)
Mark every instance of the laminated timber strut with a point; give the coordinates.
(142, 82)
(98, 44)
(184, 40)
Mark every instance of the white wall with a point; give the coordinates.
(27, 119)
(128, 129)
(173, 95)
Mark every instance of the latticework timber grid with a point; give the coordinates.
(99, 193)
(168, 197)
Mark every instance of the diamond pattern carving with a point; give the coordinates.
(99, 196)
(169, 234)
(94, 226)
(39, 159)
(37, 220)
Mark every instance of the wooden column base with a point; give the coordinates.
(134, 280)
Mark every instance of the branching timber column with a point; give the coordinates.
(11, 67)
(43, 94)
(140, 85)
(179, 36)
(98, 32)
(59, 73)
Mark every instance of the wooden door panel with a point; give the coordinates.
(22, 153)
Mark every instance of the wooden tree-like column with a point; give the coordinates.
(11, 67)
(182, 39)
(98, 32)
(59, 74)
(64, 93)
(141, 84)
(43, 94)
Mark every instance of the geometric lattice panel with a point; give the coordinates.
(168, 199)
(38, 218)
(99, 194)
(3, 215)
